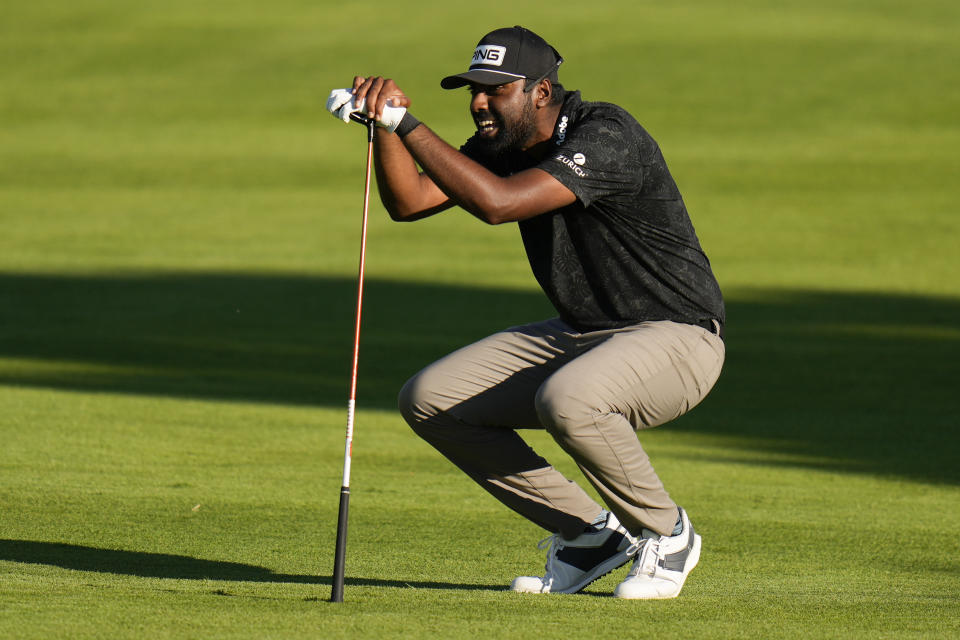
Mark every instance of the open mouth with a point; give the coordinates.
(486, 126)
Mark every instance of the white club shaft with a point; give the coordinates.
(348, 447)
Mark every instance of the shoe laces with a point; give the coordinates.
(646, 562)
(553, 545)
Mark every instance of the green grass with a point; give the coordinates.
(179, 227)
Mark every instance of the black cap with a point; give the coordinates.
(506, 55)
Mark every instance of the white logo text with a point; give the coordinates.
(562, 130)
(573, 164)
(489, 54)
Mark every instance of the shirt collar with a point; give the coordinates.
(567, 116)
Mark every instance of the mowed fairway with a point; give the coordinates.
(179, 233)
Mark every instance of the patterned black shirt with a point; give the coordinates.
(625, 251)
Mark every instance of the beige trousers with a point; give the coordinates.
(590, 391)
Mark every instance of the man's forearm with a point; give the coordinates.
(397, 173)
(486, 195)
(466, 182)
(404, 191)
(408, 194)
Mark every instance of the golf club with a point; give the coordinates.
(336, 594)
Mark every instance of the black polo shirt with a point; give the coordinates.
(625, 251)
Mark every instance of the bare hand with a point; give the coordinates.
(377, 90)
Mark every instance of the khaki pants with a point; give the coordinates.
(590, 391)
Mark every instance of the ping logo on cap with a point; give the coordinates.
(489, 54)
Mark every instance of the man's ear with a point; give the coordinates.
(544, 92)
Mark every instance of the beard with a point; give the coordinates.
(512, 138)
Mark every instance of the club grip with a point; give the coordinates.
(340, 554)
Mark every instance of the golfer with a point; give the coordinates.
(638, 337)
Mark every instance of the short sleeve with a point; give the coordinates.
(597, 158)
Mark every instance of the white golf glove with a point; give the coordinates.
(341, 104)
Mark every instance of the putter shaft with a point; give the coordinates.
(339, 562)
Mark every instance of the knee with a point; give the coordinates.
(563, 408)
(412, 402)
(424, 404)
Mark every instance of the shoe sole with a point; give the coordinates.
(599, 571)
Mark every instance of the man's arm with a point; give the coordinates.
(406, 193)
(491, 198)
(449, 176)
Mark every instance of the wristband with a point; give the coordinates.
(407, 124)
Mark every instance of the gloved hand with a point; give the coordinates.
(341, 104)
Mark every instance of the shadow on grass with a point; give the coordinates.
(850, 381)
(163, 565)
(280, 339)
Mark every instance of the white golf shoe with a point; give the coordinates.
(662, 565)
(573, 564)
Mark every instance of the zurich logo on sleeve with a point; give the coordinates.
(575, 164)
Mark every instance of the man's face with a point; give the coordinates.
(505, 116)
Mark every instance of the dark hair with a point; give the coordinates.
(559, 93)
